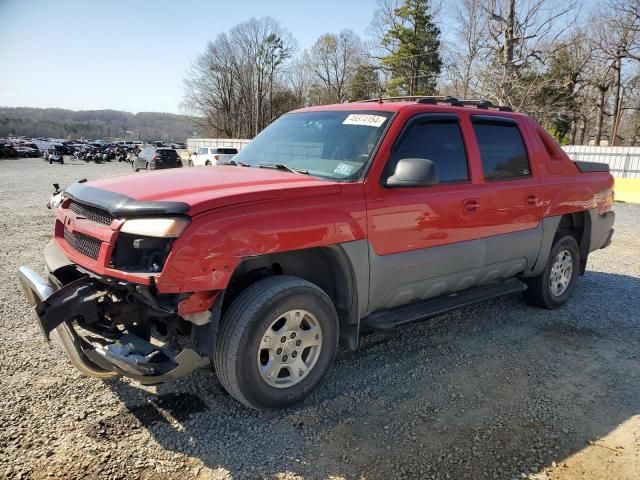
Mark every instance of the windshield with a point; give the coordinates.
(335, 145)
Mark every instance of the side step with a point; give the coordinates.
(421, 310)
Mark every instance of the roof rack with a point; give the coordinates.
(441, 99)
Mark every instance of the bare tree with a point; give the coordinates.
(333, 61)
(231, 87)
(520, 32)
(463, 65)
(618, 41)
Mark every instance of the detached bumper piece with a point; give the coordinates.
(129, 355)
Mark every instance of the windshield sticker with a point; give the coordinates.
(343, 169)
(366, 120)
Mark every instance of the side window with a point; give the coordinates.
(439, 141)
(501, 150)
(202, 151)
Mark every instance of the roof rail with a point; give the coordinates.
(436, 99)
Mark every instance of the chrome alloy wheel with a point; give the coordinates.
(289, 348)
(561, 273)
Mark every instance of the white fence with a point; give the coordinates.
(624, 162)
(194, 143)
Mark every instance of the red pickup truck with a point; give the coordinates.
(333, 219)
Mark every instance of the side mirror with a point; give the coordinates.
(413, 172)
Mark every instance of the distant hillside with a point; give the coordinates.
(103, 124)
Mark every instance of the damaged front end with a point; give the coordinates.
(110, 327)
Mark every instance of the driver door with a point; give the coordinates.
(422, 238)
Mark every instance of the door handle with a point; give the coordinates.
(471, 205)
(531, 200)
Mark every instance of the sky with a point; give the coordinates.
(132, 55)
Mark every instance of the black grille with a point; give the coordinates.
(92, 213)
(85, 244)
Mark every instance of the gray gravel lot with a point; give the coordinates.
(499, 390)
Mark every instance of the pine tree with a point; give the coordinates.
(414, 39)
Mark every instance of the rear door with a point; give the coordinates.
(510, 198)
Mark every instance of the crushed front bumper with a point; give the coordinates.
(37, 291)
(55, 309)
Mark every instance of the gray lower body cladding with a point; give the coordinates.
(401, 278)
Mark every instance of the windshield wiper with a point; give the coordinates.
(282, 166)
(233, 162)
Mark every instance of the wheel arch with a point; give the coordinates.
(336, 269)
(577, 224)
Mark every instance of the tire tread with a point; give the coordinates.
(234, 324)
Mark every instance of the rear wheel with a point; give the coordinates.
(191, 163)
(207, 163)
(554, 285)
(276, 342)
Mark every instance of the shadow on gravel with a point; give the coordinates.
(490, 391)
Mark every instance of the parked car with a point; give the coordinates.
(333, 219)
(54, 154)
(7, 151)
(28, 145)
(27, 152)
(154, 158)
(212, 156)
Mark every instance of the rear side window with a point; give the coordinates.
(227, 151)
(202, 151)
(502, 150)
(439, 141)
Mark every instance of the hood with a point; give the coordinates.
(196, 189)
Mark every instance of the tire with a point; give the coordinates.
(191, 163)
(50, 162)
(248, 322)
(541, 291)
(148, 167)
(207, 163)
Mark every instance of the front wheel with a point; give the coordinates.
(276, 342)
(554, 285)
(191, 163)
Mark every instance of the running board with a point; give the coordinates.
(424, 309)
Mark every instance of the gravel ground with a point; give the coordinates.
(499, 390)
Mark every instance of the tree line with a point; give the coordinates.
(577, 71)
(94, 124)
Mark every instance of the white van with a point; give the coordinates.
(212, 156)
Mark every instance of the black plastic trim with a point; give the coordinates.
(421, 310)
(120, 205)
(592, 166)
(493, 119)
